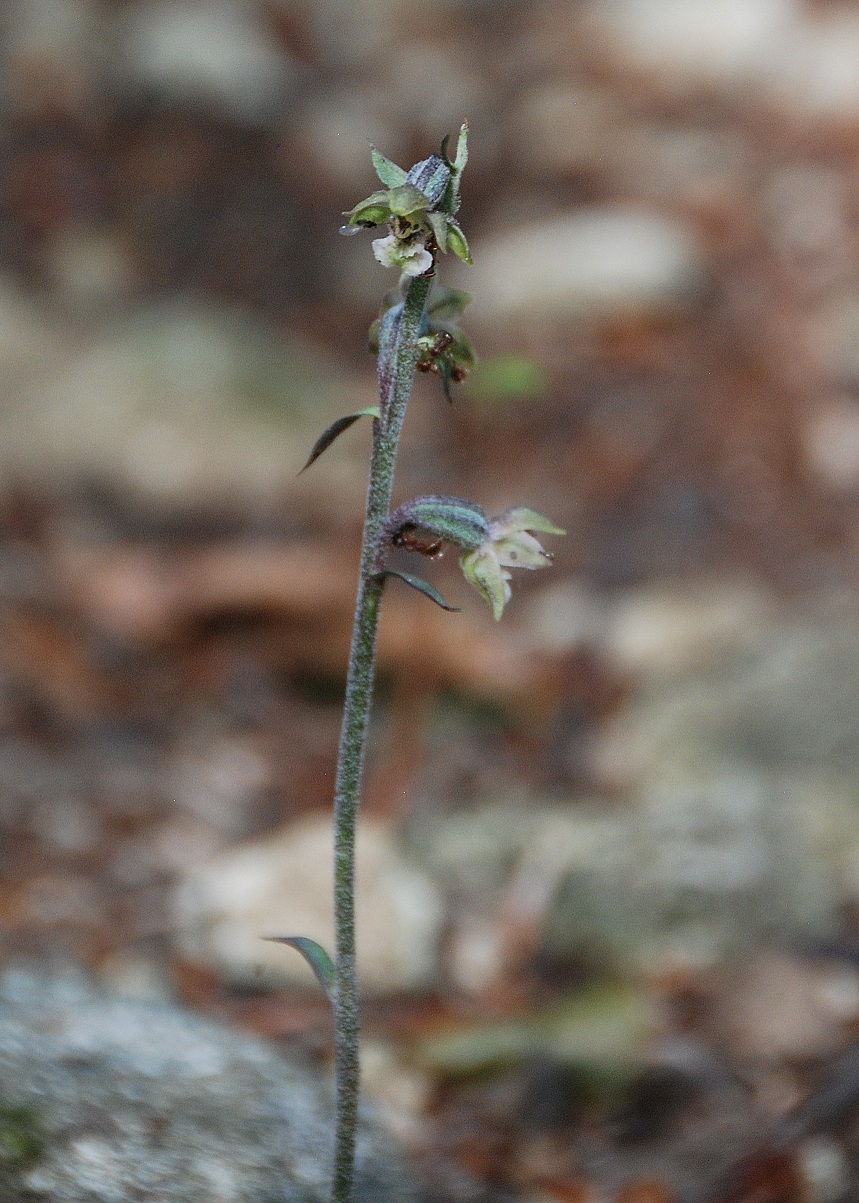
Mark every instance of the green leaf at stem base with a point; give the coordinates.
(315, 955)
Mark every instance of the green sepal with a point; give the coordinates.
(529, 520)
(438, 225)
(374, 209)
(315, 956)
(450, 204)
(457, 242)
(336, 428)
(461, 149)
(461, 350)
(406, 199)
(452, 519)
(482, 570)
(422, 586)
(389, 173)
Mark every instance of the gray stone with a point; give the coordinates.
(218, 54)
(174, 402)
(104, 1100)
(281, 885)
(586, 264)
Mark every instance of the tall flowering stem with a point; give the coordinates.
(398, 360)
(418, 330)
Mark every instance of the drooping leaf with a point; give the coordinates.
(445, 372)
(336, 428)
(461, 349)
(422, 586)
(389, 173)
(315, 955)
(447, 303)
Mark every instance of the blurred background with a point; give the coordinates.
(610, 860)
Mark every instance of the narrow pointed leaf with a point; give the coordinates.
(462, 349)
(336, 428)
(315, 955)
(447, 303)
(389, 173)
(423, 587)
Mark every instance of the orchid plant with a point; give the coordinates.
(417, 331)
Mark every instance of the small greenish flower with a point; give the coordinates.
(509, 544)
(419, 207)
(410, 255)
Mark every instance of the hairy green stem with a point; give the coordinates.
(398, 357)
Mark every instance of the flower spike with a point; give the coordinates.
(419, 208)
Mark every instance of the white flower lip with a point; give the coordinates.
(412, 257)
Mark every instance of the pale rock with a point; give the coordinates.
(32, 343)
(431, 89)
(722, 41)
(675, 164)
(53, 51)
(585, 264)
(834, 336)
(750, 765)
(815, 66)
(825, 1168)
(282, 885)
(176, 402)
(88, 269)
(663, 630)
(214, 52)
(810, 226)
(700, 867)
(778, 1006)
(786, 702)
(351, 34)
(116, 1099)
(563, 616)
(830, 441)
(335, 134)
(49, 29)
(569, 128)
